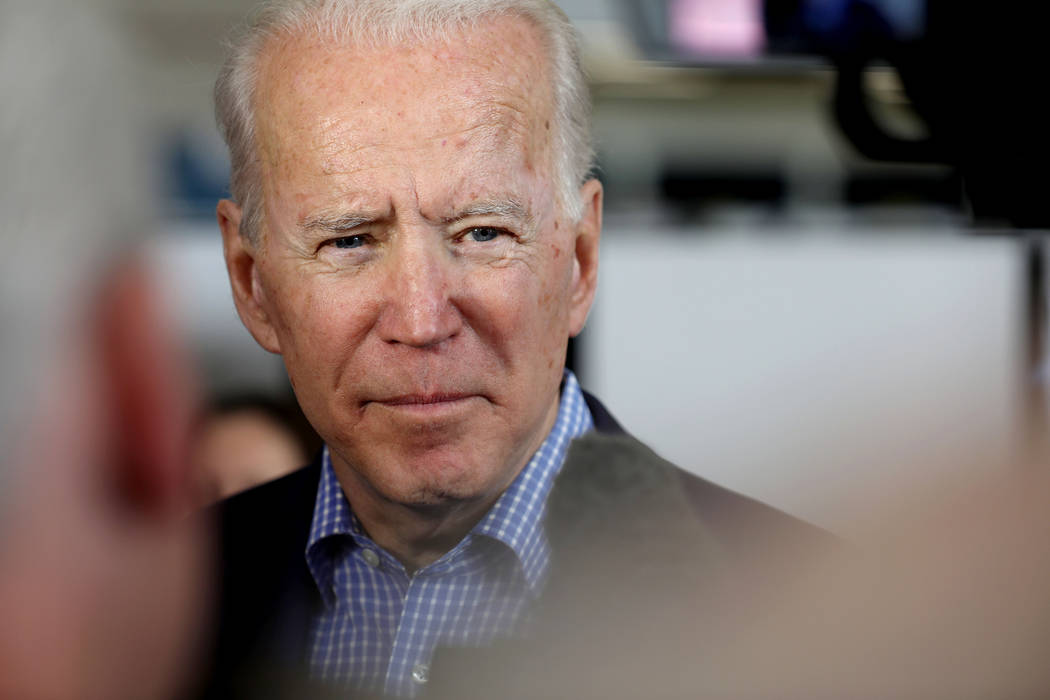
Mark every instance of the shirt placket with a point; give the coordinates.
(425, 613)
(410, 656)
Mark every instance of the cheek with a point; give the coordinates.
(556, 284)
(320, 338)
(316, 321)
(525, 311)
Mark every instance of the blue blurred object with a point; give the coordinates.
(196, 173)
(837, 22)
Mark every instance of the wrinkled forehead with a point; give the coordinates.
(326, 98)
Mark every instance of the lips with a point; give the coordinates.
(425, 399)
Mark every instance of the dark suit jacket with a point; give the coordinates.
(616, 506)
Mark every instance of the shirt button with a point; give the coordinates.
(420, 673)
(370, 557)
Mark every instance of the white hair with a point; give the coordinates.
(71, 188)
(386, 22)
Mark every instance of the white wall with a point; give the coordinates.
(821, 372)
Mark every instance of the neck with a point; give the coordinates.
(419, 535)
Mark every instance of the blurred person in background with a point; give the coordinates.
(245, 441)
(101, 592)
(414, 228)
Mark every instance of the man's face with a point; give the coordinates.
(415, 270)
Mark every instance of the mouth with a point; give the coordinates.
(429, 406)
(423, 400)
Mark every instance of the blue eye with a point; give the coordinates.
(349, 242)
(483, 234)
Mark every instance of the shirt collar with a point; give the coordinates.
(516, 519)
(333, 523)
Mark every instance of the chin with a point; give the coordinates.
(431, 486)
(427, 499)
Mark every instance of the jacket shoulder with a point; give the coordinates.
(739, 523)
(621, 481)
(742, 522)
(273, 505)
(266, 595)
(263, 534)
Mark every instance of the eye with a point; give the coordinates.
(484, 234)
(347, 242)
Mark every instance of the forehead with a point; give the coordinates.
(327, 105)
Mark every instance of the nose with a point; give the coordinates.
(418, 310)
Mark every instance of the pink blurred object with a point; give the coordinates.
(718, 28)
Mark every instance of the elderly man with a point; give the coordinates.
(414, 229)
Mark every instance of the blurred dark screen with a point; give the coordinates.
(971, 73)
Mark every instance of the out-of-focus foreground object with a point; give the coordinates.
(100, 573)
(947, 602)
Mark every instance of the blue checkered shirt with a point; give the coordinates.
(380, 626)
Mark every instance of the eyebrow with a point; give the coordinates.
(507, 208)
(337, 223)
(503, 208)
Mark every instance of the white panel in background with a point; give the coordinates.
(192, 277)
(824, 374)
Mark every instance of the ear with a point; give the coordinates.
(585, 264)
(243, 270)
